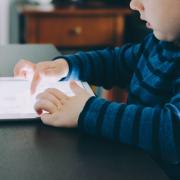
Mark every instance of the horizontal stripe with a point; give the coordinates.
(158, 72)
(83, 113)
(80, 64)
(93, 66)
(155, 134)
(101, 117)
(151, 89)
(103, 60)
(136, 126)
(117, 123)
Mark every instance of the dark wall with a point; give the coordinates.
(136, 29)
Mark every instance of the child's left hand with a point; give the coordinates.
(61, 110)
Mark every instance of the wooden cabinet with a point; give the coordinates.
(76, 31)
(74, 27)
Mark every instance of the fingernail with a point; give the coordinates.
(39, 111)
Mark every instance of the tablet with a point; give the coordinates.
(16, 101)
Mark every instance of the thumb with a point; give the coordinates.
(75, 87)
(47, 118)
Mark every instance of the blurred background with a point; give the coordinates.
(12, 22)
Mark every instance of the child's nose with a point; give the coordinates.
(137, 5)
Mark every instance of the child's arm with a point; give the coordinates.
(107, 68)
(154, 129)
(61, 110)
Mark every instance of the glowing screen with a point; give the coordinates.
(16, 99)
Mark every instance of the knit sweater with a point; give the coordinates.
(151, 117)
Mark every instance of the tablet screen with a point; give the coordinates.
(16, 100)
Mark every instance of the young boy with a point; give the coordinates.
(150, 71)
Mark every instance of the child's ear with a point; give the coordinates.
(75, 87)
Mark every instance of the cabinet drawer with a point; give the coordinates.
(76, 31)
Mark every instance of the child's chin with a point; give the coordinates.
(163, 37)
(159, 36)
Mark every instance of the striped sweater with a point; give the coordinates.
(151, 117)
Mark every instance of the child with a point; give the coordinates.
(150, 71)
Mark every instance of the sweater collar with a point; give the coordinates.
(170, 46)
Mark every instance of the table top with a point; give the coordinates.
(30, 150)
(11, 54)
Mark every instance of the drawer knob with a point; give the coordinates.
(77, 30)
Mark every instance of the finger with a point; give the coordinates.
(49, 97)
(49, 119)
(58, 94)
(55, 120)
(52, 74)
(35, 81)
(38, 75)
(21, 66)
(21, 74)
(17, 68)
(75, 87)
(45, 105)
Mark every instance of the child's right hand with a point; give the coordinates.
(57, 109)
(53, 70)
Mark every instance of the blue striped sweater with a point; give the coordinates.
(151, 117)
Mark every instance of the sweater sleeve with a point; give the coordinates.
(156, 130)
(107, 68)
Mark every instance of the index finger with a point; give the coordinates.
(21, 66)
(35, 81)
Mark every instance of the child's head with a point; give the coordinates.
(162, 16)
